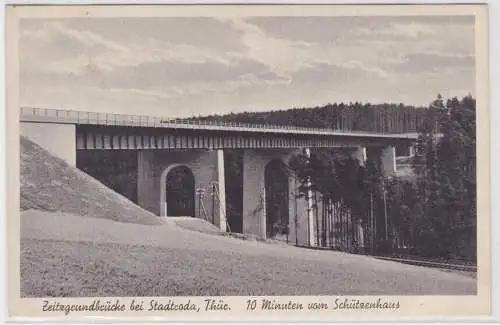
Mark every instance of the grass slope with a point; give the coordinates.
(68, 255)
(49, 184)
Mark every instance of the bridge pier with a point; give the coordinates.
(146, 181)
(221, 183)
(299, 231)
(254, 205)
(384, 158)
(207, 168)
(411, 150)
(359, 154)
(303, 211)
(254, 195)
(388, 161)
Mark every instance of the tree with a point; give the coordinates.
(446, 179)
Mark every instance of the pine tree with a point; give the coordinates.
(446, 180)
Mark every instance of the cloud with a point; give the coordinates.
(339, 29)
(65, 49)
(282, 56)
(181, 74)
(338, 74)
(431, 62)
(61, 48)
(394, 32)
(174, 30)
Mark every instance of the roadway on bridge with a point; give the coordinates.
(69, 255)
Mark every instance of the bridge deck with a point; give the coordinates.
(47, 115)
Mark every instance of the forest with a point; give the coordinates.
(382, 118)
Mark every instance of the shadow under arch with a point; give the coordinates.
(276, 179)
(177, 188)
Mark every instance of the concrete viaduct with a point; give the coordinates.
(163, 145)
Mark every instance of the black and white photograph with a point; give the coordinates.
(239, 154)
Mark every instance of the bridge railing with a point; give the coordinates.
(85, 117)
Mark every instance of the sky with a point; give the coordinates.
(178, 67)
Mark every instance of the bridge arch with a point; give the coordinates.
(177, 187)
(277, 192)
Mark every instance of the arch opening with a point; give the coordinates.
(180, 192)
(277, 199)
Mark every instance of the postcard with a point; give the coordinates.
(247, 162)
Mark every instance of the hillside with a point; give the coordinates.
(49, 184)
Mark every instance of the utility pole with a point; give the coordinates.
(200, 192)
(372, 223)
(385, 211)
(310, 217)
(296, 215)
(316, 217)
(213, 203)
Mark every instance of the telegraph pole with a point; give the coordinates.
(213, 203)
(310, 217)
(385, 212)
